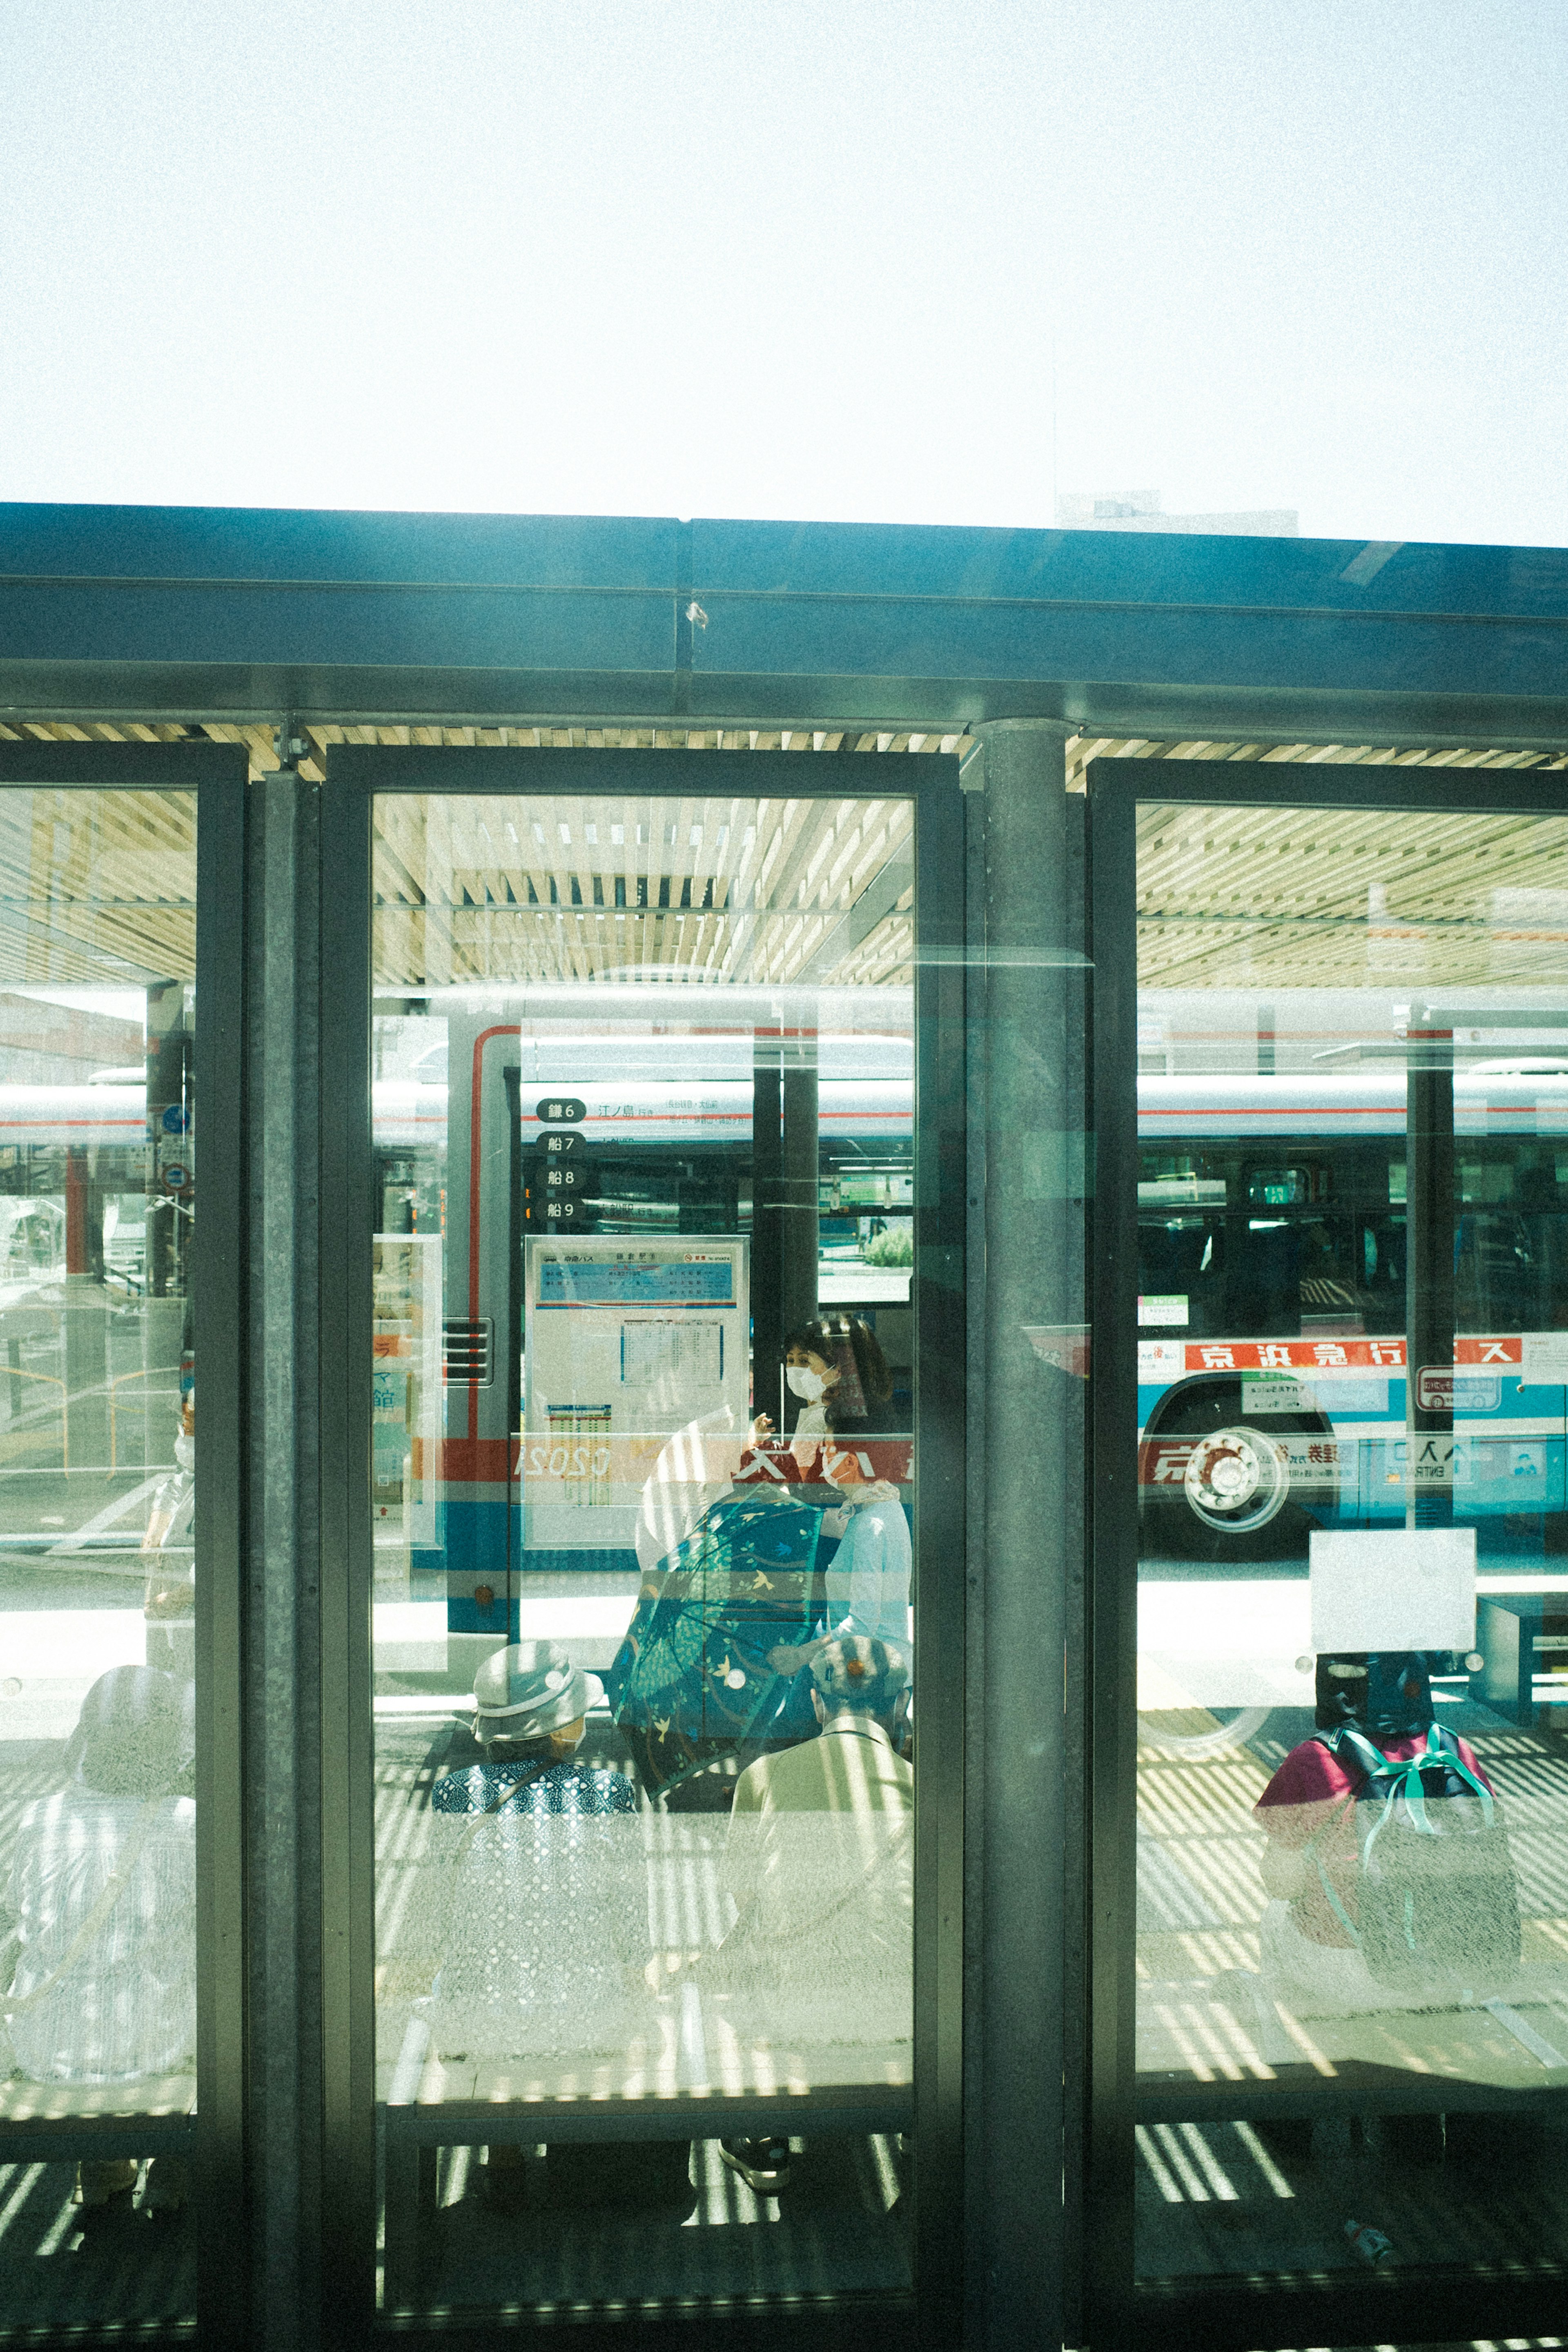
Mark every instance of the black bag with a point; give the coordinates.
(1437, 1896)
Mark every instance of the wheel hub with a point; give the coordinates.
(1237, 1478)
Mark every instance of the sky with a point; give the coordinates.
(871, 261)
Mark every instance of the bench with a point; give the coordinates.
(66, 2123)
(1505, 2056)
(429, 2101)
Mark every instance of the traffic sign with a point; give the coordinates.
(177, 1178)
(177, 1119)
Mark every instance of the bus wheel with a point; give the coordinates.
(1236, 1495)
(1172, 1735)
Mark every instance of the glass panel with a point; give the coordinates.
(642, 1487)
(97, 1418)
(1352, 1673)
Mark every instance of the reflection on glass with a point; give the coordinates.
(641, 1483)
(1352, 1919)
(98, 1199)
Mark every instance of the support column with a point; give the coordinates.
(1026, 1472)
(87, 1343)
(767, 1225)
(1429, 1272)
(283, 1597)
(800, 1162)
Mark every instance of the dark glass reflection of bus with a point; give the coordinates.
(1271, 1230)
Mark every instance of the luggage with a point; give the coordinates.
(691, 1679)
(1437, 1898)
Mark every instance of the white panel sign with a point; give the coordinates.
(1393, 1589)
(626, 1341)
(1265, 1392)
(1544, 1356)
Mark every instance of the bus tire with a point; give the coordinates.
(1238, 1496)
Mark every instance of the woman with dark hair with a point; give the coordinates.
(835, 1365)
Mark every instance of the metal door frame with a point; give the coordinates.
(1211, 2317)
(355, 774)
(215, 773)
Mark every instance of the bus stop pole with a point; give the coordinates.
(1429, 1272)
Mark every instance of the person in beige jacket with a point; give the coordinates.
(819, 1866)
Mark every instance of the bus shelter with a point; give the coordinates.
(865, 1637)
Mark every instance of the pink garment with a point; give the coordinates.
(1311, 1796)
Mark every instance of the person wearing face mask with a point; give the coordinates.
(810, 1379)
(868, 1578)
(169, 1604)
(836, 1368)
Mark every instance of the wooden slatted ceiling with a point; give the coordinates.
(135, 917)
(563, 887)
(1341, 898)
(97, 887)
(1082, 749)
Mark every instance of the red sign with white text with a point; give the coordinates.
(1326, 1355)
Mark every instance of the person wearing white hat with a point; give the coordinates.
(533, 1888)
(819, 1866)
(531, 1704)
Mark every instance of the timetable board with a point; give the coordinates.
(626, 1342)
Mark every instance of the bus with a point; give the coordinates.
(1272, 1314)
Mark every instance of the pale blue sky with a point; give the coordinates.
(804, 259)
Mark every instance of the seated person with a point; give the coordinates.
(103, 1896)
(835, 1367)
(819, 1863)
(530, 1710)
(1371, 1710)
(533, 1891)
(867, 1577)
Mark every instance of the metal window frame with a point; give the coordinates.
(1213, 2316)
(355, 775)
(215, 773)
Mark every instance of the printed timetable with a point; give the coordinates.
(566, 1280)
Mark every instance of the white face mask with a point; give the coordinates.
(185, 1451)
(804, 1383)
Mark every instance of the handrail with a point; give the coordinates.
(17, 1372)
(156, 1371)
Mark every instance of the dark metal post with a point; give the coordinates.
(283, 1636)
(219, 1296)
(86, 1418)
(1025, 1483)
(1428, 1274)
(798, 1173)
(767, 1224)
